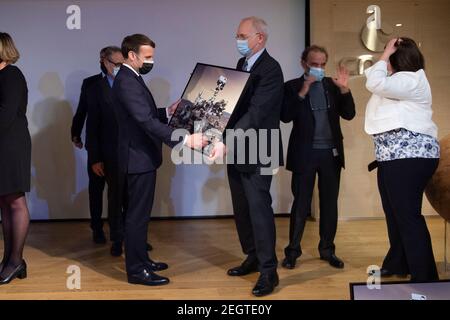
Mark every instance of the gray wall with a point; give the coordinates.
(55, 60)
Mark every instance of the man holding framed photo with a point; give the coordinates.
(259, 110)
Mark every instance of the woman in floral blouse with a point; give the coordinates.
(398, 116)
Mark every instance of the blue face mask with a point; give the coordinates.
(318, 73)
(242, 46)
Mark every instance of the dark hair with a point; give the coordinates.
(134, 42)
(407, 57)
(313, 48)
(106, 52)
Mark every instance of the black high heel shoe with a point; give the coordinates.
(19, 272)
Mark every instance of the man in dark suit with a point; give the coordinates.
(315, 104)
(142, 129)
(101, 135)
(96, 183)
(258, 110)
(96, 104)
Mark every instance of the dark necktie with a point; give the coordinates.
(244, 66)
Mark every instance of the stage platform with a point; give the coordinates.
(199, 252)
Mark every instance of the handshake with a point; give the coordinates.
(198, 141)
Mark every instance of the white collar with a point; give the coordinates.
(131, 68)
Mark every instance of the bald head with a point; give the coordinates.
(258, 25)
(254, 30)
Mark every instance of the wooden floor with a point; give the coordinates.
(199, 252)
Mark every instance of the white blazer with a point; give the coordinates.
(402, 100)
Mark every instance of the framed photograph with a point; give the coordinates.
(208, 101)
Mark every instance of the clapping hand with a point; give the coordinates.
(341, 79)
(310, 79)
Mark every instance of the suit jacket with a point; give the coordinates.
(259, 108)
(142, 128)
(299, 111)
(82, 109)
(101, 127)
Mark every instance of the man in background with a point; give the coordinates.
(96, 183)
(315, 104)
(101, 134)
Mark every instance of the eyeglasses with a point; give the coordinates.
(118, 64)
(244, 37)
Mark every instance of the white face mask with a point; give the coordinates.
(115, 71)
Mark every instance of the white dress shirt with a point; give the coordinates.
(402, 100)
(131, 68)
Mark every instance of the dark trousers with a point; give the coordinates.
(401, 184)
(115, 214)
(328, 169)
(253, 213)
(96, 187)
(115, 210)
(139, 193)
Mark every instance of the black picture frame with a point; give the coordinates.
(209, 112)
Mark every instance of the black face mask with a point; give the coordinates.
(146, 68)
(103, 68)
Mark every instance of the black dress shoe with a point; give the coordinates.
(19, 272)
(147, 278)
(245, 268)
(99, 236)
(116, 249)
(289, 263)
(384, 273)
(149, 247)
(334, 261)
(266, 284)
(157, 266)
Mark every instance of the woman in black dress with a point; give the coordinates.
(15, 161)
